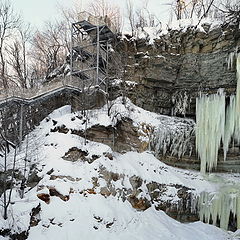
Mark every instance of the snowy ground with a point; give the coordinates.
(84, 212)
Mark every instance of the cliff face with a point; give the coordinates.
(171, 72)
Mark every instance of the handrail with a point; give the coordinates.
(28, 95)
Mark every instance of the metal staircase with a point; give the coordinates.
(91, 46)
(91, 63)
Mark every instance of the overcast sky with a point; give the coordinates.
(38, 11)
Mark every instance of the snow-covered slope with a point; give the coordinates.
(88, 191)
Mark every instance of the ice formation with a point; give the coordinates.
(217, 207)
(181, 101)
(173, 136)
(231, 58)
(215, 125)
(210, 115)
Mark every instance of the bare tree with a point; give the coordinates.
(130, 15)
(108, 11)
(141, 17)
(69, 15)
(17, 55)
(191, 8)
(9, 21)
(6, 145)
(229, 11)
(48, 49)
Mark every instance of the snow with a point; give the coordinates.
(126, 223)
(152, 33)
(148, 33)
(87, 213)
(183, 24)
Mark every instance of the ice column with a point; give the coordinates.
(218, 206)
(214, 126)
(210, 115)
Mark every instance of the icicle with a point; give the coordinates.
(174, 137)
(232, 56)
(238, 212)
(213, 126)
(218, 206)
(229, 125)
(210, 113)
(237, 110)
(230, 60)
(181, 101)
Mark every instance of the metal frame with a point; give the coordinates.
(89, 60)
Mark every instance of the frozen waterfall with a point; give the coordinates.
(217, 123)
(173, 137)
(216, 208)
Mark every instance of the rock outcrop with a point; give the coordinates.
(170, 73)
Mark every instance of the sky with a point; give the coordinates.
(39, 11)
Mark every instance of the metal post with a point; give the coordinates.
(71, 54)
(107, 69)
(21, 126)
(98, 49)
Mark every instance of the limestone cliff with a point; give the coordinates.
(168, 75)
(171, 72)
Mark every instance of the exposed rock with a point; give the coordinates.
(95, 182)
(91, 191)
(54, 177)
(182, 210)
(35, 218)
(105, 192)
(109, 176)
(122, 138)
(50, 171)
(93, 158)
(16, 236)
(19, 236)
(108, 225)
(156, 190)
(139, 204)
(135, 181)
(74, 154)
(33, 179)
(44, 197)
(54, 192)
(61, 129)
(180, 61)
(108, 155)
(54, 122)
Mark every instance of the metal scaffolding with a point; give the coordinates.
(90, 48)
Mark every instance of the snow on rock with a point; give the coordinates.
(148, 33)
(101, 198)
(183, 24)
(151, 33)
